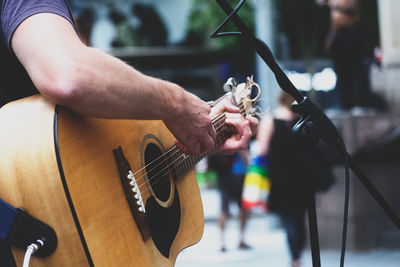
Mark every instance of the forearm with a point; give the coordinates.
(87, 80)
(107, 87)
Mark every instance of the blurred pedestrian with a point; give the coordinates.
(287, 173)
(231, 170)
(351, 54)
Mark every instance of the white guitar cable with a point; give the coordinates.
(30, 250)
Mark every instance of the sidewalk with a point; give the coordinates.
(268, 245)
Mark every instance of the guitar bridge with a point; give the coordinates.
(132, 193)
(136, 191)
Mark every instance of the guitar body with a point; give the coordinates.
(56, 165)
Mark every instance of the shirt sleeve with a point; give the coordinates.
(14, 12)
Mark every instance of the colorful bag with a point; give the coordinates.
(256, 184)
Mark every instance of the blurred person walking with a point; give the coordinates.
(231, 170)
(287, 172)
(351, 54)
(296, 170)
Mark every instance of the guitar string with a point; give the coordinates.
(157, 178)
(215, 120)
(166, 168)
(159, 160)
(154, 179)
(176, 166)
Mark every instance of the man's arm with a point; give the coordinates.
(96, 84)
(70, 73)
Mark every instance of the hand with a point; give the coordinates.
(193, 128)
(245, 127)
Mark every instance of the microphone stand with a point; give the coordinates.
(313, 117)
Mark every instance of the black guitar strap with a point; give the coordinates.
(7, 217)
(18, 228)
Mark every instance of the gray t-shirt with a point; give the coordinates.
(14, 81)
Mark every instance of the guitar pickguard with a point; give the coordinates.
(163, 223)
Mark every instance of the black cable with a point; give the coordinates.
(346, 202)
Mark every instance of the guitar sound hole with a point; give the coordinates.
(157, 170)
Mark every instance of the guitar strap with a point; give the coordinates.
(7, 218)
(20, 229)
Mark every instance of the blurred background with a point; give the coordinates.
(343, 54)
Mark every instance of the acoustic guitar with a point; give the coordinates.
(116, 192)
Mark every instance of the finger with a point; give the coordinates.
(241, 139)
(232, 145)
(238, 122)
(253, 123)
(208, 144)
(231, 107)
(181, 147)
(195, 149)
(243, 129)
(224, 105)
(236, 116)
(212, 132)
